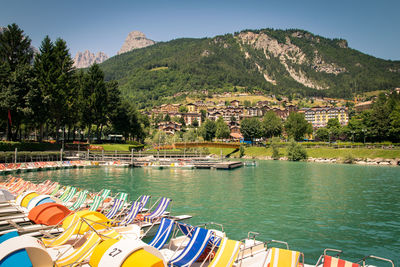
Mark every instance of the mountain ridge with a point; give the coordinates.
(282, 62)
(86, 59)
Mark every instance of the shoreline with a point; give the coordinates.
(356, 161)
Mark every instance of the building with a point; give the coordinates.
(192, 108)
(169, 127)
(253, 112)
(319, 116)
(235, 103)
(210, 103)
(235, 133)
(262, 103)
(169, 108)
(191, 117)
(363, 106)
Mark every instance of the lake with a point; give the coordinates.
(311, 206)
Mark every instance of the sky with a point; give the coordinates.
(370, 26)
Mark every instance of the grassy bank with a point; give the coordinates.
(116, 147)
(321, 152)
(318, 152)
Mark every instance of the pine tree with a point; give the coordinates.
(16, 77)
(40, 97)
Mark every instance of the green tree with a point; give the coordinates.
(334, 129)
(183, 109)
(251, 128)
(271, 125)
(167, 117)
(322, 134)
(241, 151)
(160, 138)
(203, 115)
(13, 96)
(195, 123)
(380, 120)
(120, 121)
(208, 129)
(394, 129)
(297, 127)
(295, 151)
(190, 135)
(16, 77)
(63, 86)
(333, 123)
(222, 129)
(275, 148)
(93, 98)
(15, 47)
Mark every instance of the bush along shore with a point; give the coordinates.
(361, 156)
(359, 161)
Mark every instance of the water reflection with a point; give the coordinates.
(312, 206)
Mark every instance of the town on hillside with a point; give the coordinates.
(172, 117)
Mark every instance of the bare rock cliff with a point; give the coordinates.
(290, 55)
(86, 59)
(135, 40)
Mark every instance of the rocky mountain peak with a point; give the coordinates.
(86, 59)
(135, 40)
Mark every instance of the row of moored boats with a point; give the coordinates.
(48, 224)
(8, 168)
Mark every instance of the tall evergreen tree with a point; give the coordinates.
(40, 97)
(93, 98)
(16, 77)
(15, 47)
(63, 89)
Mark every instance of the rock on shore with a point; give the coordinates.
(359, 161)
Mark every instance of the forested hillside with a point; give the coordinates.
(272, 61)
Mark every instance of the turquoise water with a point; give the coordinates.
(311, 206)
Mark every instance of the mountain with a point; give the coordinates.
(280, 62)
(135, 40)
(86, 59)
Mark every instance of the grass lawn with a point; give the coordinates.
(311, 152)
(113, 147)
(317, 152)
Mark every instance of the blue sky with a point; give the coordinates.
(370, 26)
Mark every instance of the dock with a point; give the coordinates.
(226, 165)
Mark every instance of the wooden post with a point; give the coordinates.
(16, 154)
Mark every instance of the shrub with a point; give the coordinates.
(348, 158)
(241, 151)
(275, 148)
(295, 151)
(30, 156)
(29, 146)
(136, 147)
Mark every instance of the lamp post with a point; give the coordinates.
(62, 131)
(364, 131)
(329, 135)
(352, 134)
